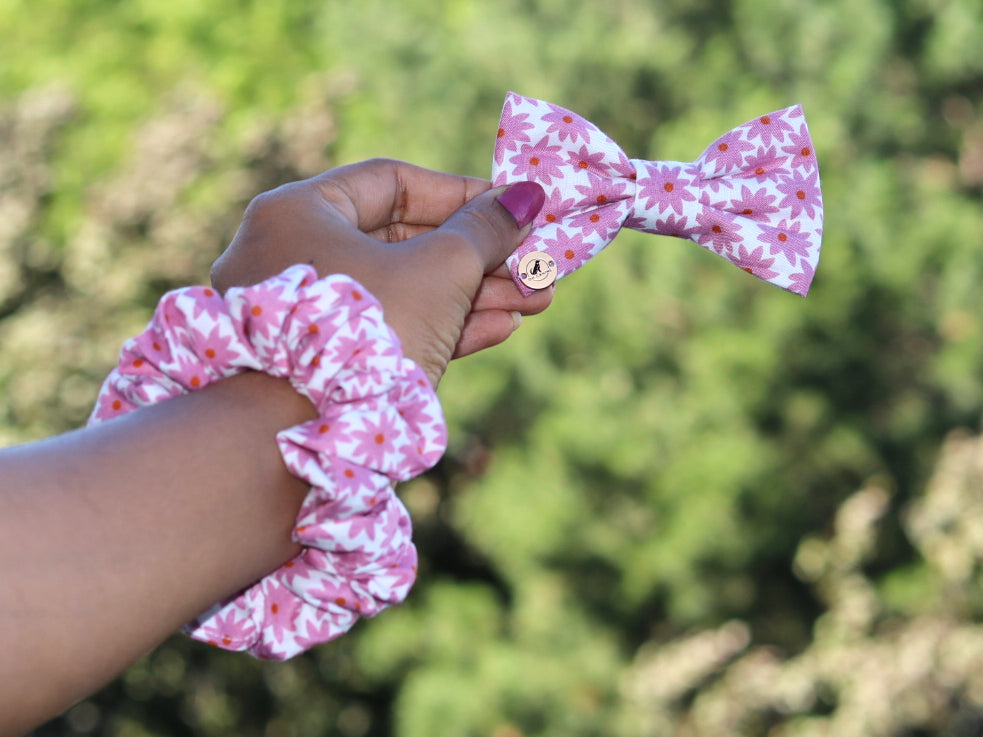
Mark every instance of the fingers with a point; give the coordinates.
(396, 232)
(494, 223)
(497, 299)
(377, 193)
(288, 225)
(500, 293)
(485, 329)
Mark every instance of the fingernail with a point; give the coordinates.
(516, 321)
(523, 200)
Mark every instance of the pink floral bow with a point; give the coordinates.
(752, 197)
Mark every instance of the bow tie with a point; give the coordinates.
(752, 197)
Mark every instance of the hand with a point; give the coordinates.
(430, 246)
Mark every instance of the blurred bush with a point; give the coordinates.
(680, 502)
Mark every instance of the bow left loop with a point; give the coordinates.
(753, 196)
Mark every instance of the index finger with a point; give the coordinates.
(376, 193)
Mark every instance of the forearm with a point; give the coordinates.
(113, 536)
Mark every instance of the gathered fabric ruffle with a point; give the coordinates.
(379, 421)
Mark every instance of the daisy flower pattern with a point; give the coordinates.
(664, 188)
(211, 304)
(602, 223)
(570, 249)
(799, 146)
(601, 190)
(565, 125)
(231, 629)
(718, 232)
(379, 421)
(730, 200)
(766, 164)
(755, 262)
(585, 159)
(802, 280)
(514, 126)
(757, 203)
(282, 610)
(786, 240)
(727, 154)
(801, 194)
(555, 207)
(773, 127)
(540, 161)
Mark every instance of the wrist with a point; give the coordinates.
(377, 420)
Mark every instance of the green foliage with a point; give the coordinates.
(630, 533)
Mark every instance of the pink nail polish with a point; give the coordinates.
(523, 200)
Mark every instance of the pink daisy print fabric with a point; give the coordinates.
(753, 196)
(379, 421)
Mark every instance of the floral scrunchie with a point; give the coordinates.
(379, 421)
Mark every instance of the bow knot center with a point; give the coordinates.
(666, 196)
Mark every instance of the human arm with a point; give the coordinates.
(115, 535)
(103, 531)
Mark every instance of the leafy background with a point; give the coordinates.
(679, 502)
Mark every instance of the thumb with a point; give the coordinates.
(495, 222)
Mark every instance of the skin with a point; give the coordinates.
(429, 245)
(113, 536)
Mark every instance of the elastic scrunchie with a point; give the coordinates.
(379, 420)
